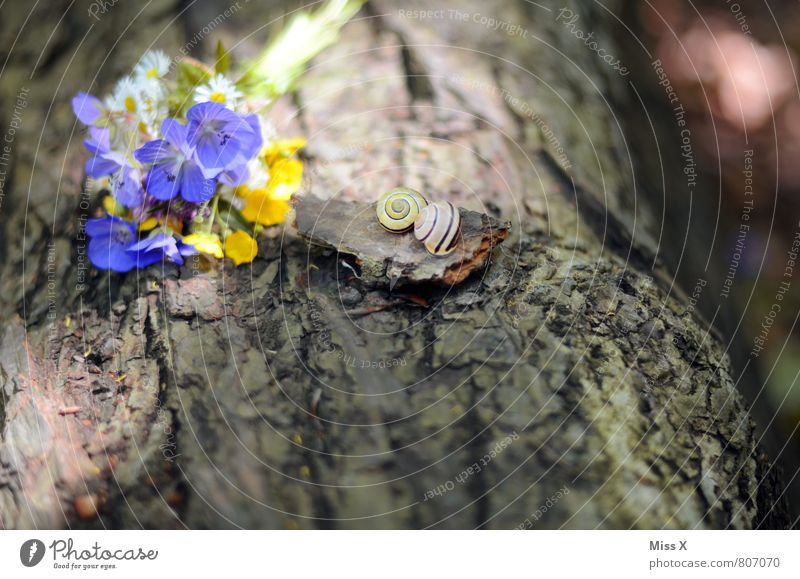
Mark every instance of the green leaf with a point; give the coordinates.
(230, 216)
(191, 74)
(223, 59)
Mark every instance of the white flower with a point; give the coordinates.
(218, 89)
(154, 64)
(125, 97)
(152, 97)
(139, 100)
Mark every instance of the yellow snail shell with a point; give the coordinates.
(437, 226)
(398, 208)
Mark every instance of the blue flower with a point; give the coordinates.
(223, 139)
(159, 247)
(113, 246)
(127, 185)
(175, 169)
(103, 161)
(111, 237)
(237, 173)
(126, 179)
(87, 108)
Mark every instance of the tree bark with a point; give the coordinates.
(566, 385)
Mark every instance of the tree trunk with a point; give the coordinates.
(568, 384)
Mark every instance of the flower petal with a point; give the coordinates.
(215, 151)
(207, 243)
(107, 226)
(186, 250)
(174, 132)
(154, 249)
(99, 166)
(240, 247)
(119, 158)
(162, 181)
(195, 188)
(100, 141)
(87, 108)
(285, 178)
(110, 239)
(105, 253)
(204, 112)
(265, 210)
(115, 208)
(148, 224)
(127, 187)
(236, 175)
(155, 151)
(282, 148)
(252, 143)
(145, 258)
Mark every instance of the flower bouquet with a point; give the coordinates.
(186, 160)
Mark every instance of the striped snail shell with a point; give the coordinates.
(437, 226)
(398, 208)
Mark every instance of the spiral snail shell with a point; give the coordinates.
(398, 208)
(437, 226)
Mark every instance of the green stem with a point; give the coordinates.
(212, 217)
(224, 229)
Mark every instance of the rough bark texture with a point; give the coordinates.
(568, 371)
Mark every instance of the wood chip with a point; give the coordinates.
(389, 259)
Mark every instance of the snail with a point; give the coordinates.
(437, 226)
(398, 208)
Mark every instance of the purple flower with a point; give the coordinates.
(252, 145)
(162, 246)
(127, 185)
(125, 178)
(111, 237)
(103, 161)
(175, 169)
(113, 246)
(87, 108)
(237, 173)
(223, 139)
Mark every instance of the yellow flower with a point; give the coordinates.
(268, 203)
(285, 178)
(151, 222)
(262, 208)
(282, 148)
(148, 224)
(240, 247)
(115, 208)
(207, 243)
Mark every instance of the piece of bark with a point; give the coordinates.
(395, 259)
